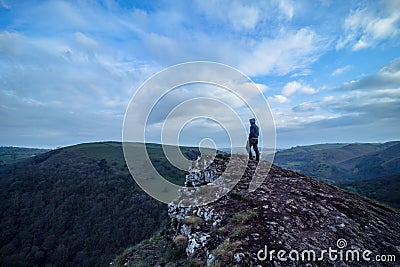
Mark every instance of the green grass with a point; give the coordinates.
(297, 149)
(224, 252)
(156, 251)
(294, 163)
(112, 152)
(242, 217)
(238, 196)
(193, 221)
(9, 155)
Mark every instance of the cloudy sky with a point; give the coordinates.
(329, 69)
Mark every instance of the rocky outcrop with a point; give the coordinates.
(288, 212)
(290, 220)
(205, 169)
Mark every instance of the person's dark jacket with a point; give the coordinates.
(253, 131)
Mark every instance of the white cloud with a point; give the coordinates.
(366, 27)
(144, 35)
(361, 44)
(327, 99)
(340, 70)
(287, 52)
(387, 77)
(239, 14)
(243, 17)
(302, 72)
(292, 87)
(305, 107)
(287, 118)
(278, 99)
(85, 40)
(370, 101)
(82, 58)
(365, 107)
(47, 80)
(262, 87)
(385, 27)
(286, 8)
(308, 90)
(354, 110)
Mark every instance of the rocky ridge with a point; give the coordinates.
(289, 212)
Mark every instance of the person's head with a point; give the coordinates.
(252, 121)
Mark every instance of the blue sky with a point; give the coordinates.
(329, 69)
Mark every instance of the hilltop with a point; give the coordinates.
(289, 211)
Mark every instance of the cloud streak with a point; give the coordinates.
(387, 77)
(366, 27)
(68, 69)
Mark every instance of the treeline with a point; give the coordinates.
(60, 209)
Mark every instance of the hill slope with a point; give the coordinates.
(361, 168)
(288, 212)
(76, 206)
(342, 162)
(385, 161)
(386, 189)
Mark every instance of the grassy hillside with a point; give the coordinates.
(112, 154)
(368, 169)
(383, 162)
(386, 189)
(9, 154)
(341, 162)
(76, 206)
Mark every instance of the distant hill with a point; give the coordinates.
(112, 153)
(367, 168)
(77, 206)
(385, 161)
(9, 154)
(341, 162)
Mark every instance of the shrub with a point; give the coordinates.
(239, 196)
(193, 221)
(180, 241)
(173, 254)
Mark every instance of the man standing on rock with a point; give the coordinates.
(253, 139)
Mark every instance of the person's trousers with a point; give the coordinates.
(254, 144)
